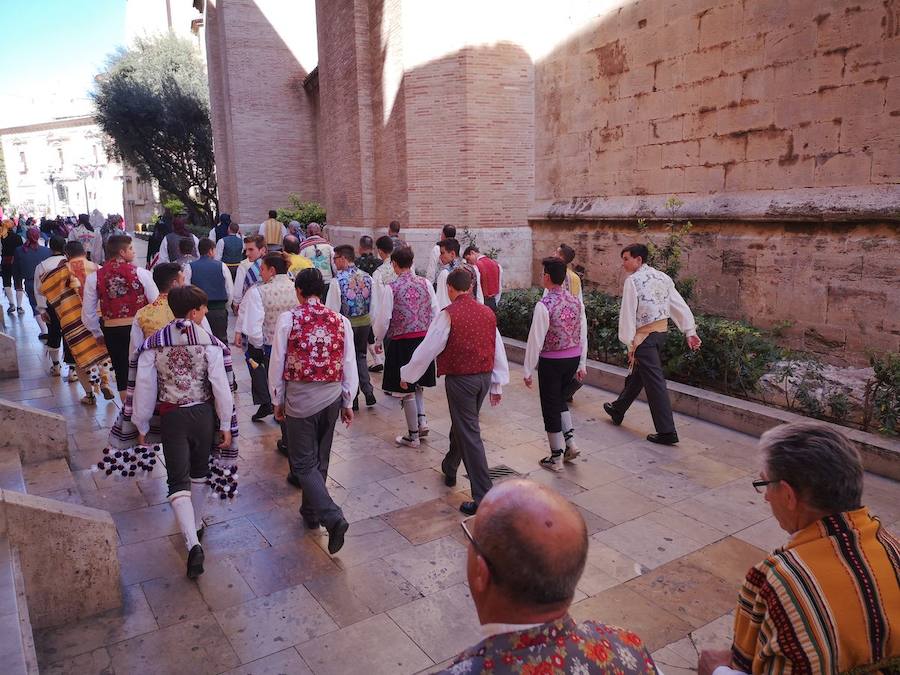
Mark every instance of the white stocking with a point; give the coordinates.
(20, 296)
(9, 296)
(199, 496)
(555, 439)
(40, 322)
(568, 428)
(184, 514)
(409, 411)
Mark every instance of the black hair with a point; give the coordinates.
(74, 249)
(184, 299)
(57, 244)
(273, 214)
(636, 251)
(277, 262)
(556, 268)
(385, 244)
(206, 245)
(310, 283)
(567, 253)
(345, 251)
(449, 245)
(448, 231)
(460, 279)
(403, 256)
(164, 275)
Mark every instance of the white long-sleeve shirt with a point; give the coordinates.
(251, 315)
(443, 297)
(277, 384)
(434, 264)
(333, 299)
(226, 274)
(382, 319)
(145, 389)
(90, 303)
(435, 341)
(164, 250)
(137, 337)
(652, 294)
(238, 293)
(43, 267)
(540, 324)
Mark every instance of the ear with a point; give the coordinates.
(481, 577)
(791, 498)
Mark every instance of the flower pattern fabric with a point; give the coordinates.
(120, 290)
(557, 648)
(412, 306)
(652, 288)
(356, 292)
(181, 375)
(315, 349)
(564, 331)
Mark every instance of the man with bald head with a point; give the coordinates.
(527, 550)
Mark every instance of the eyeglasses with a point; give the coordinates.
(760, 485)
(475, 545)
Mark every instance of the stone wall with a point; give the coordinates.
(259, 53)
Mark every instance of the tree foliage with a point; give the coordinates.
(4, 186)
(153, 103)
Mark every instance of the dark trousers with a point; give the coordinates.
(259, 376)
(54, 329)
(465, 395)
(117, 340)
(218, 322)
(647, 374)
(187, 436)
(554, 376)
(360, 345)
(309, 452)
(490, 302)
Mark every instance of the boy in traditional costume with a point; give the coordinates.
(54, 330)
(450, 260)
(405, 311)
(274, 232)
(214, 278)
(248, 270)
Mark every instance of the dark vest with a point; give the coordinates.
(232, 250)
(206, 273)
(171, 242)
(470, 346)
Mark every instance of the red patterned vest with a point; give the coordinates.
(470, 346)
(565, 320)
(490, 276)
(315, 349)
(412, 306)
(120, 291)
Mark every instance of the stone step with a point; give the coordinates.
(17, 653)
(11, 477)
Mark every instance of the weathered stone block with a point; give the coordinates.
(9, 360)
(704, 178)
(35, 434)
(842, 168)
(68, 555)
(744, 118)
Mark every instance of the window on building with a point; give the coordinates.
(96, 156)
(23, 162)
(61, 160)
(62, 192)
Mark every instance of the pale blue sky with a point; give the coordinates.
(52, 50)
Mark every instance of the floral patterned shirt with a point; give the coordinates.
(556, 648)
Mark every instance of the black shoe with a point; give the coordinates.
(469, 508)
(616, 417)
(311, 524)
(195, 562)
(370, 400)
(42, 337)
(293, 480)
(201, 532)
(449, 480)
(336, 536)
(356, 405)
(377, 368)
(281, 446)
(262, 412)
(663, 439)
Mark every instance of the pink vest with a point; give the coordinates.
(412, 307)
(565, 321)
(315, 349)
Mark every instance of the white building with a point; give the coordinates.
(60, 167)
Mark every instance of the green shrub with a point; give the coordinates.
(883, 393)
(303, 212)
(515, 310)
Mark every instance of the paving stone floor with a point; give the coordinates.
(672, 532)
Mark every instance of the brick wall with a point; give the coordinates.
(264, 121)
(702, 96)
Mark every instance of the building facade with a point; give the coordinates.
(537, 123)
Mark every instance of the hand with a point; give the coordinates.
(404, 384)
(45, 317)
(630, 359)
(279, 413)
(528, 381)
(495, 400)
(580, 374)
(101, 341)
(379, 348)
(347, 416)
(141, 439)
(694, 342)
(226, 440)
(710, 659)
(239, 341)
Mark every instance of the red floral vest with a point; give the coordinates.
(470, 346)
(315, 349)
(120, 291)
(412, 306)
(565, 320)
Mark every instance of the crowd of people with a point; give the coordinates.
(314, 320)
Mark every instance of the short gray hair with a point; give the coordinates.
(818, 461)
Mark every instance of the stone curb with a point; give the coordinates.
(881, 455)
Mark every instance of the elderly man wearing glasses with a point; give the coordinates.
(829, 600)
(528, 546)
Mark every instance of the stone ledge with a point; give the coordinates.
(68, 557)
(802, 204)
(9, 360)
(37, 435)
(880, 455)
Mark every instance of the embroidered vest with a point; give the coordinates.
(232, 250)
(272, 232)
(182, 375)
(565, 321)
(155, 315)
(356, 292)
(120, 290)
(368, 262)
(412, 306)
(79, 269)
(315, 349)
(318, 250)
(572, 283)
(470, 346)
(278, 296)
(206, 273)
(652, 290)
(490, 276)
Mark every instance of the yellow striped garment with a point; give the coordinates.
(828, 602)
